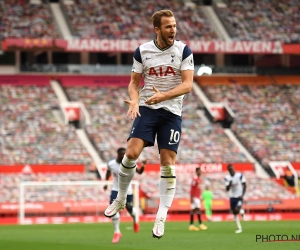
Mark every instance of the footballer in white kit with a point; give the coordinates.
(235, 183)
(113, 167)
(160, 67)
(168, 68)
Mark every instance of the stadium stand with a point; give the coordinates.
(244, 20)
(202, 141)
(26, 20)
(267, 111)
(10, 191)
(263, 20)
(101, 19)
(257, 188)
(110, 129)
(29, 131)
(267, 117)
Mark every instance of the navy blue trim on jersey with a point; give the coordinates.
(186, 52)
(137, 55)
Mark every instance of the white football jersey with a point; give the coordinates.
(237, 180)
(162, 68)
(114, 167)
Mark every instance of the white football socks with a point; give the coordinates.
(237, 222)
(116, 222)
(133, 214)
(126, 173)
(167, 187)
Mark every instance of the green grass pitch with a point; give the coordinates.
(220, 235)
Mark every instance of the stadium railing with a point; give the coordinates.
(126, 69)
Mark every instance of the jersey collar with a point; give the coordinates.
(160, 47)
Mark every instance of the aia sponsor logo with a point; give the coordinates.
(161, 71)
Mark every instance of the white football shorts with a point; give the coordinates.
(196, 203)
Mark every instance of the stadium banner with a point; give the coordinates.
(236, 47)
(11, 44)
(234, 79)
(93, 80)
(67, 207)
(296, 165)
(218, 111)
(180, 168)
(24, 80)
(291, 79)
(291, 48)
(26, 168)
(250, 204)
(106, 45)
(73, 113)
(93, 207)
(146, 218)
(205, 167)
(280, 167)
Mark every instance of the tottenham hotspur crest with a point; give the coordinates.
(172, 58)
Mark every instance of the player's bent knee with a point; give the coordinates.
(127, 162)
(133, 156)
(168, 157)
(134, 148)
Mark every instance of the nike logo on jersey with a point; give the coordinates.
(147, 58)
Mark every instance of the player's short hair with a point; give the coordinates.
(230, 166)
(197, 169)
(120, 150)
(156, 17)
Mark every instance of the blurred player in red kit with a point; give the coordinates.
(196, 202)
